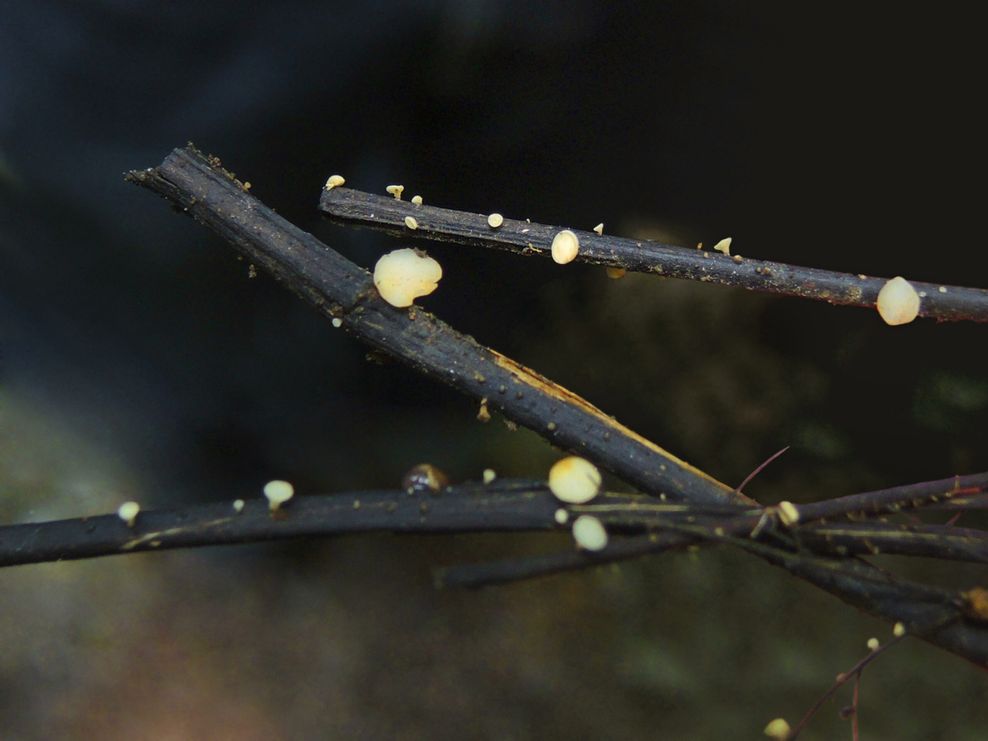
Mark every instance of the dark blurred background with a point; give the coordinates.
(139, 361)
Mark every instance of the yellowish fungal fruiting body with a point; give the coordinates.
(788, 513)
(395, 190)
(616, 273)
(574, 480)
(873, 644)
(489, 475)
(561, 516)
(495, 220)
(898, 302)
(337, 322)
(238, 505)
(335, 181)
(778, 729)
(424, 477)
(128, 512)
(898, 630)
(599, 228)
(417, 200)
(404, 275)
(589, 533)
(565, 247)
(411, 222)
(277, 493)
(724, 245)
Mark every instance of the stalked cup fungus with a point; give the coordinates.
(404, 275)
(898, 302)
(574, 480)
(565, 247)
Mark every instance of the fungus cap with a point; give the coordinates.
(411, 222)
(277, 493)
(574, 480)
(599, 228)
(395, 190)
(495, 220)
(898, 302)
(404, 275)
(788, 513)
(334, 181)
(128, 512)
(778, 729)
(565, 247)
(589, 533)
(417, 200)
(489, 475)
(724, 245)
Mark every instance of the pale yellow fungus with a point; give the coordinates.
(574, 480)
(335, 181)
(495, 220)
(561, 516)
(898, 302)
(128, 512)
(277, 493)
(616, 273)
(483, 414)
(724, 245)
(417, 200)
(489, 475)
(873, 644)
(238, 505)
(942, 289)
(404, 275)
(898, 630)
(778, 729)
(788, 513)
(411, 223)
(337, 322)
(565, 247)
(395, 190)
(599, 229)
(589, 533)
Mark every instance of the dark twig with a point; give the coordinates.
(387, 214)
(342, 290)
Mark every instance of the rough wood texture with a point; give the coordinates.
(387, 214)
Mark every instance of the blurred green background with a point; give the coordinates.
(139, 361)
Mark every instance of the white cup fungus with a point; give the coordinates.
(277, 493)
(128, 512)
(396, 190)
(404, 275)
(565, 247)
(411, 222)
(589, 533)
(599, 229)
(724, 245)
(334, 181)
(898, 302)
(574, 480)
(495, 220)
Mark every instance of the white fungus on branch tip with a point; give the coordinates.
(898, 302)
(565, 247)
(334, 181)
(724, 245)
(574, 480)
(495, 220)
(277, 493)
(404, 275)
(128, 512)
(589, 533)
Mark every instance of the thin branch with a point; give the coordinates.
(387, 214)
(345, 291)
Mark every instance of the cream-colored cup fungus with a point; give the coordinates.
(898, 302)
(778, 729)
(561, 516)
(724, 245)
(404, 275)
(337, 322)
(411, 222)
(565, 247)
(395, 190)
(417, 200)
(238, 505)
(574, 480)
(128, 512)
(495, 220)
(898, 630)
(788, 513)
(489, 475)
(589, 533)
(873, 644)
(599, 229)
(334, 181)
(277, 493)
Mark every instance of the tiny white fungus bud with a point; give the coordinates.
(873, 644)
(417, 200)
(898, 302)
(788, 513)
(238, 505)
(574, 480)
(599, 229)
(495, 220)
(335, 181)
(589, 533)
(395, 190)
(942, 289)
(337, 322)
(278, 492)
(778, 729)
(562, 516)
(724, 245)
(898, 630)
(489, 475)
(565, 247)
(404, 275)
(411, 223)
(128, 512)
